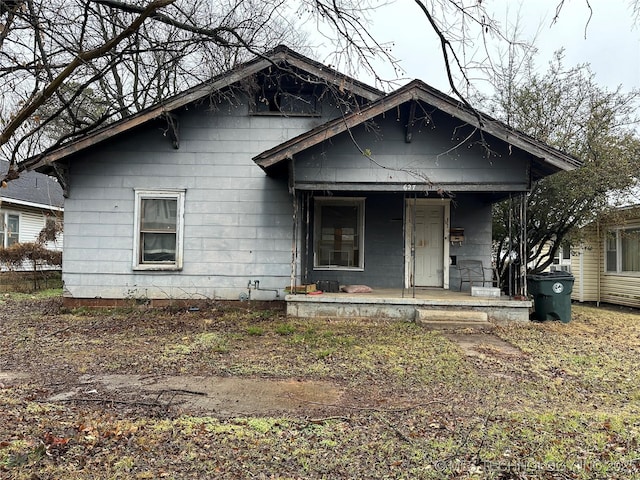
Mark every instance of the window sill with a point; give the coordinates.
(157, 268)
(339, 269)
(622, 274)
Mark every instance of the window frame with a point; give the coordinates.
(140, 195)
(5, 228)
(562, 259)
(615, 248)
(319, 202)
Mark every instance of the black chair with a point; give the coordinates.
(473, 273)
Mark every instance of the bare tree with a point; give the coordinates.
(70, 66)
(566, 108)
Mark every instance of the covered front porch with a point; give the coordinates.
(410, 305)
(398, 196)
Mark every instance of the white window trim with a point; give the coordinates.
(618, 270)
(360, 201)
(3, 225)
(560, 261)
(152, 194)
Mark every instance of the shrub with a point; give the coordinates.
(29, 256)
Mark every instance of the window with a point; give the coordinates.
(159, 230)
(10, 224)
(338, 233)
(283, 103)
(275, 93)
(562, 258)
(623, 250)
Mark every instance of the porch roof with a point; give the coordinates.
(547, 160)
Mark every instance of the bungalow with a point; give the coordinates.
(284, 172)
(606, 265)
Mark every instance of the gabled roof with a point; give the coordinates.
(31, 189)
(419, 91)
(277, 56)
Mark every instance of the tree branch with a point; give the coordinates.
(39, 98)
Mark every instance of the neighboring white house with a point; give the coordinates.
(606, 266)
(26, 205)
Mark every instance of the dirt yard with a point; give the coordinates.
(202, 389)
(235, 393)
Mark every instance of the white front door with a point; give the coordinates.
(426, 232)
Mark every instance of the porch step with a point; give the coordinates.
(485, 292)
(452, 319)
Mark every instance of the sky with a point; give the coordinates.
(611, 46)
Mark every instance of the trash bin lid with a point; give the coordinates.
(557, 275)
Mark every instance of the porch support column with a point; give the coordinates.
(294, 233)
(518, 229)
(405, 273)
(413, 244)
(523, 246)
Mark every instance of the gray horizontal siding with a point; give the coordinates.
(431, 157)
(237, 223)
(473, 213)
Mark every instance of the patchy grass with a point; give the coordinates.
(37, 295)
(415, 406)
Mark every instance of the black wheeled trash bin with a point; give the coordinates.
(551, 295)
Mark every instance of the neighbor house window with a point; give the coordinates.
(10, 224)
(623, 250)
(339, 233)
(159, 230)
(562, 258)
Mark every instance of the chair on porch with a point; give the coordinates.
(473, 273)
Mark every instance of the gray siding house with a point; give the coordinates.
(284, 172)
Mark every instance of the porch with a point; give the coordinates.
(409, 305)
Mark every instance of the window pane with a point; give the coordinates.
(297, 103)
(286, 103)
(158, 247)
(13, 228)
(611, 252)
(159, 214)
(338, 238)
(630, 243)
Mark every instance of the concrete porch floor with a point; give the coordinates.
(396, 304)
